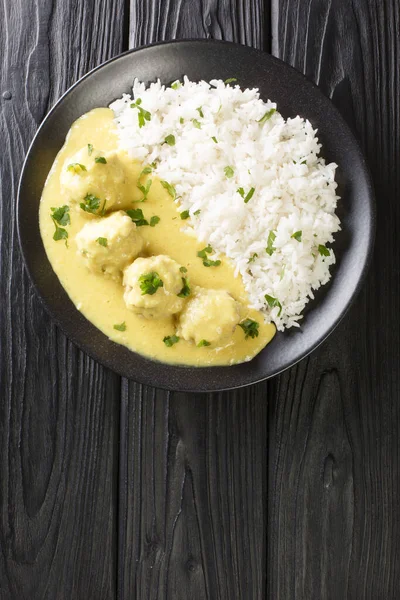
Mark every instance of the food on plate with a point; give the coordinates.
(154, 287)
(108, 245)
(209, 317)
(203, 224)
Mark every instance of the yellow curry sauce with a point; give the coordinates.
(101, 300)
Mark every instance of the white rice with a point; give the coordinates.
(295, 190)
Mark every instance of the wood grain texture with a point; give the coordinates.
(334, 426)
(193, 495)
(193, 480)
(59, 410)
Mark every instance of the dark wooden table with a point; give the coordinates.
(285, 490)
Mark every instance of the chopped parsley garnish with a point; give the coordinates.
(297, 236)
(170, 340)
(229, 172)
(214, 139)
(177, 84)
(120, 326)
(203, 343)
(200, 111)
(323, 250)
(76, 167)
(91, 204)
(143, 115)
(185, 215)
(170, 140)
(150, 282)
(203, 253)
(197, 212)
(136, 214)
(230, 80)
(207, 262)
(183, 269)
(250, 328)
(100, 160)
(272, 302)
(196, 123)
(303, 162)
(181, 120)
(61, 215)
(170, 189)
(185, 291)
(154, 220)
(211, 263)
(102, 241)
(267, 116)
(89, 149)
(270, 243)
(144, 188)
(248, 196)
(253, 257)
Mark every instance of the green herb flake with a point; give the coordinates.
(200, 111)
(170, 140)
(61, 215)
(230, 80)
(120, 326)
(150, 282)
(211, 263)
(250, 328)
(196, 123)
(102, 241)
(170, 340)
(185, 291)
(183, 269)
(272, 302)
(176, 85)
(170, 189)
(267, 116)
(143, 115)
(197, 212)
(144, 189)
(60, 234)
(136, 214)
(229, 172)
(203, 343)
(323, 250)
(185, 215)
(100, 160)
(249, 195)
(154, 220)
(252, 258)
(76, 168)
(181, 120)
(90, 149)
(270, 243)
(91, 204)
(203, 253)
(214, 139)
(297, 236)
(146, 171)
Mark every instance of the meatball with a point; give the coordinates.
(209, 317)
(95, 182)
(153, 286)
(109, 244)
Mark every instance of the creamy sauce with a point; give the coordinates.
(101, 299)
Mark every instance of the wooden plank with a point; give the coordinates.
(59, 410)
(334, 426)
(192, 481)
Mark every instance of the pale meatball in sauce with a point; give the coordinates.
(153, 287)
(109, 244)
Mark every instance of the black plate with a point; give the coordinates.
(294, 95)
